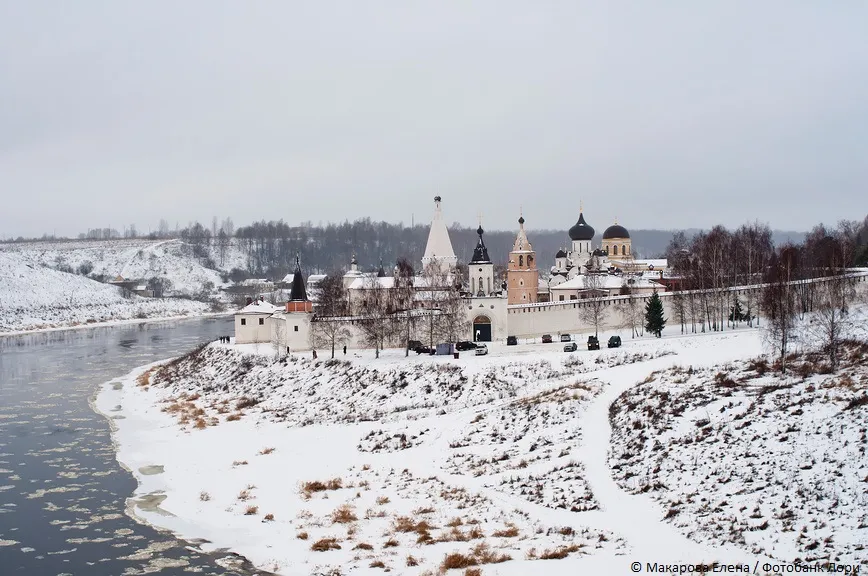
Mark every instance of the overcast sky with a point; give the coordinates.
(669, 114)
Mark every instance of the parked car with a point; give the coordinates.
(511, 341)
(445, 349)
(571, 347)
(614, 342)
(413, 344)
(547, 338)
(481, 350)
(566, 338)
(423, 350)
(464, 345)
(593, 343)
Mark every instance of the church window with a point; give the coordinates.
(529, 261)
(296, 328)
(561, 297)
(521, 282)
(244, 321)
(480, 283)
(624, 250)
(521, 261)
(615, 249)
(262, 321)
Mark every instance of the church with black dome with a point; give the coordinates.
(582, 257)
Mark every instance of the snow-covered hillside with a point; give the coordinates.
(134, 258)
(736, 454)
(429, 465)
(34, 297)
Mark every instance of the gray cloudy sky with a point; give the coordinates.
(663, 114)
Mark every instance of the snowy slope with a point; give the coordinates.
(414, 465)
(736, 454)
(136, 258)
(34, 297)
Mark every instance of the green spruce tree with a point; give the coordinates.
(736, 314)
(654, 320)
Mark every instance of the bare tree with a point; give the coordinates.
(592, 309)
(778, 301)
(402, 301)
(447, 320)
(831, 323)
(679, 307)
(278, 336)
(375, 314)
(630, 310)
(326, 331)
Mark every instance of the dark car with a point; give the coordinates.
(547, 338)
(423, 350)
(614, 342)
(413, 344)
(593, 343)
(571, 347)
(511, 341)
(566, 338)
(464, 345)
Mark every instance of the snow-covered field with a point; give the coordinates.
(499, 463)
(34, 297)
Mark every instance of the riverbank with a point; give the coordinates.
(121, 322)
(415, 465)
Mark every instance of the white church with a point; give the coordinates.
(524, 305)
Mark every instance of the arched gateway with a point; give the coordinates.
(482, 329)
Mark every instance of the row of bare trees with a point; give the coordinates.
(392, 310)
(809, 285)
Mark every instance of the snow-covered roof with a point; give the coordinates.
(655, 262)
(261, 307)
(419, 282)
(606, 282)
(141, 287)
(366, 282)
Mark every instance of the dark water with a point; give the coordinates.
(62, 493)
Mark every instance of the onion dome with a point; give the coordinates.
(561, 254)
(615, 231)
(581, 230)
(480, 253)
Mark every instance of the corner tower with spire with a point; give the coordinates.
(438, 250)
(522, 275)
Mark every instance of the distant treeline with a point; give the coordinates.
(271, 246)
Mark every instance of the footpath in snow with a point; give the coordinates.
(418, 465)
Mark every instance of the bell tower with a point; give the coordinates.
(522, 275)
(481, 268)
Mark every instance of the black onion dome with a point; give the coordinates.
(480, 253)
(615, 231)
(581, 230)
(561, 254)
(521, 219)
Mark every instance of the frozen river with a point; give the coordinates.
(62, 493)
